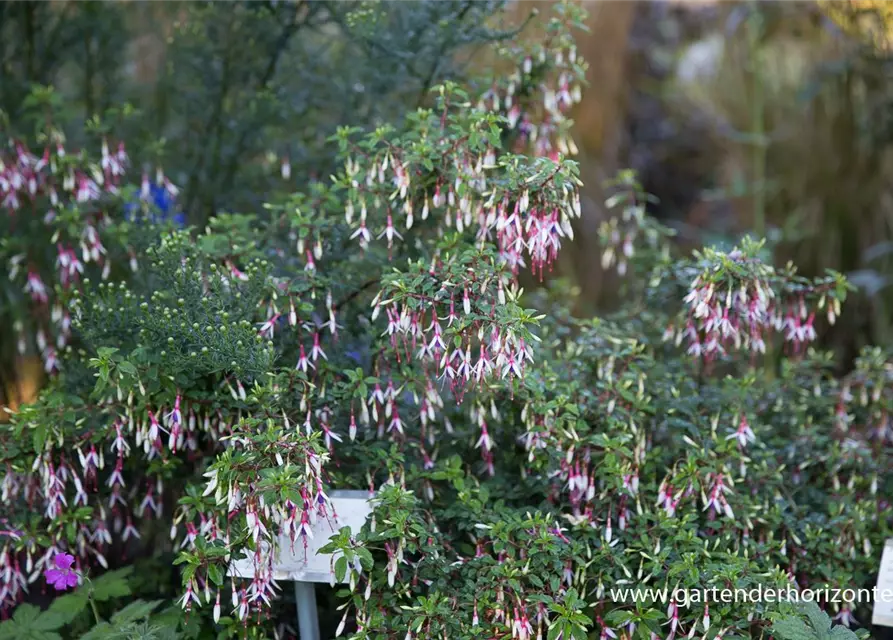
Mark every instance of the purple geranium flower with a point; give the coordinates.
(63, 576)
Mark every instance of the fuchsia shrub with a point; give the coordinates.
(372, 333)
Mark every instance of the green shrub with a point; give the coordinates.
(370, 332)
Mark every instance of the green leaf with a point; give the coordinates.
(29, 623)
(840, 632)
(69, 606)
(792, 629)
(127, 367)
(47, 621)
(112, 585)
(216, 574)
(365, 556)
(101, 631)
(26, 614)
(819, 620)
(39, 437)
(135, 611)
(340, 568)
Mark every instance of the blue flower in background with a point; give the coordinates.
(162, 207)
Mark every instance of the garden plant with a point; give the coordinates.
(210, 387)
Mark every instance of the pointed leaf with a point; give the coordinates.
(792, 629)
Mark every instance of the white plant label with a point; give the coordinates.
(883, 600)
(292, 563)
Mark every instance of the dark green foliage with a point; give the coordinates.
(228, 90)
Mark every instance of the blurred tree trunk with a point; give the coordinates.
(600, 125)
(20, 386)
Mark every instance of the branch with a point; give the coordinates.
(445, 45)
(215, 123)
(279, 48)
(354, 294)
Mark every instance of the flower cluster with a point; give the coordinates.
(737, 302)
(245, 372)
(526, 218)
(240, 495)
(70, 199)
(460, 324)
(539, 119)
(92, 477)
(620, 234)
(734, 301)
(459, 180)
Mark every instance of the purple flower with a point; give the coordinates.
(63, 576)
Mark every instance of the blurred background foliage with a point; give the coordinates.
(235, 100)
(228, 91)
(780, 113)
(771, 118)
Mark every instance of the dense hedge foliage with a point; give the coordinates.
(216, 384)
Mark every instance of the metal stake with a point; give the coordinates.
(308, 617)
